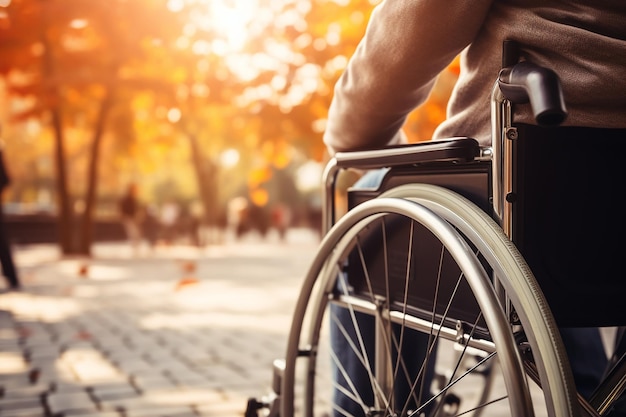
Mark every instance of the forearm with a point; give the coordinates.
(406, 45)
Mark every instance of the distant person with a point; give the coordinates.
(151, 225)
(189, 224)
(169, 216)
(130, 216)
(281, 219)
(8, 267)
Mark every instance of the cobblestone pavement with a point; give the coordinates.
(175, 332)
(172, 332)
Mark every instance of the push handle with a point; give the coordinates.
(526, 82)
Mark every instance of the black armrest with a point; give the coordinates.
(461, 149)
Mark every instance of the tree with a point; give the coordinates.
(209, 74)
(74, 60)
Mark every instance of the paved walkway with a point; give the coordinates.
(173, 333)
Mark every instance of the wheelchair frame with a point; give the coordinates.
(510, 298)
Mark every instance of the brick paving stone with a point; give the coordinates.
(142, 404)
(26, 391)
(112, 346)
(71, 337)
(195, 355)
(150, 373)
(54, 372)
(259, 374)
(47, 351)
(129, 366)
(208, 383)
(221, 372)
(97, 370)
(12, 363)
(77, 343)
(173, 367)
(184, 396)
(105, 392)
(47, 364)
(242, 362)
(96, 331)
(76, 354)
(68, 402)
(188, 379)
(25, 412)
(157, 354)
(98, 414)
(242, 392)
(38, 340)
(170, 336)
(115, 396)
(10, 346)
(19, 403)
(21, 379)
(6, 319)
(104, 336)
(221, 409)
(117, 349)
(64, 386)
(151, 382)
(145, 343)
(202, 394)
(162, 412)
(8, 333)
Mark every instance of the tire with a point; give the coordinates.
(362, 271)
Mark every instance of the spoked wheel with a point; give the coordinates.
(402, 286)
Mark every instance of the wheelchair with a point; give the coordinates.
(451, 245)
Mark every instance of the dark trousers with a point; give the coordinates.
(6, 258)
(583, 345)
(350, 372)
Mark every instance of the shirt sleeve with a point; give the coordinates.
(407, 43)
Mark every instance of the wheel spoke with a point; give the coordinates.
(360, 268)
(451, 384)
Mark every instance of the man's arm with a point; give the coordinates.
(406, 45)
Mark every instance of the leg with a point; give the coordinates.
(8, 267)
(414, 342)
(353, 369)
(586, 356)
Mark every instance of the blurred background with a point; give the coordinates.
(213, 109)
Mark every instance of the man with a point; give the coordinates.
(8, 267)
(408, 43)
(129, 213)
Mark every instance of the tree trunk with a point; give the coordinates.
(65, 213)
(86, 225)
(206, 171)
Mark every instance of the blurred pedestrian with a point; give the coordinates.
(281, 219)
(130, 216)
(188, 226)
(8, 267)
(169, 216)
(151, 225)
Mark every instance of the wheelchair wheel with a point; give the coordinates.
(404, 285)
